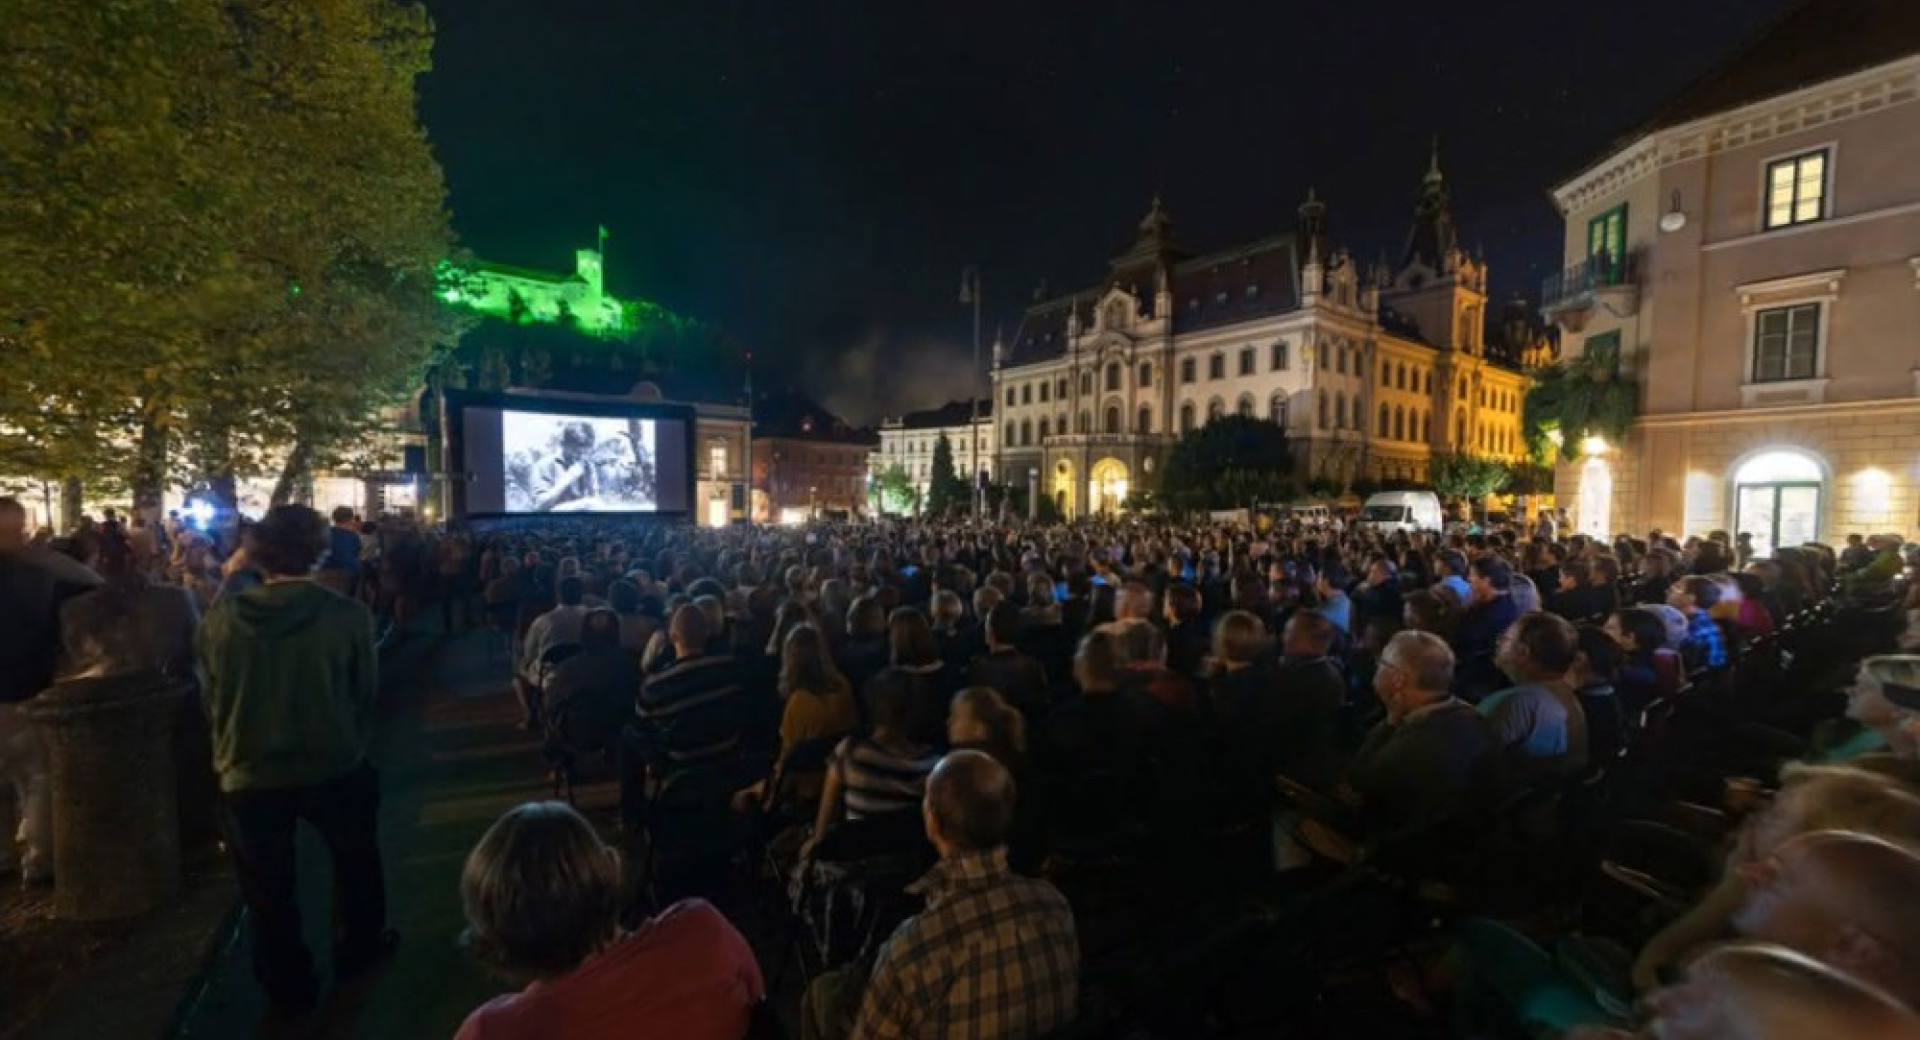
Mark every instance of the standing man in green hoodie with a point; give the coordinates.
(291, 675)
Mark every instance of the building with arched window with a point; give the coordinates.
(1177, 338)
(1774, 219)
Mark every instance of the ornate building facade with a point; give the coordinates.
(1371, 373)
(1753, 255)
(908, 441)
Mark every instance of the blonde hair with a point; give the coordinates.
(1840, 798)
(540, 892)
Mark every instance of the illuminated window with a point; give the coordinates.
(1797, 190)
(717, 459)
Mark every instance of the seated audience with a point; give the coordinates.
(1539, 719)
(1016, 675)
(1704, 646)
(993, 954)
(1844, 899)
(882, 772)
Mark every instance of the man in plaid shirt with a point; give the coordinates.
(993, 956)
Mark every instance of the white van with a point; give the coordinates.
(1409, 511)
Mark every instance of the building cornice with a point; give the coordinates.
(1851, 409)
(1825, 103)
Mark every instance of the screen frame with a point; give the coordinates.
(589, 406)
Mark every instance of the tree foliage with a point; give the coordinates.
(894, 490)
(1590, 396)
(1472, 477)
(221, 219)
(946, 489)
(1231, 462)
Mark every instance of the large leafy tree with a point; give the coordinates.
(945, 487)
(1231, 462)
(222, 219)
(894, 490)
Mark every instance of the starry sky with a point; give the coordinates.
(813, 176)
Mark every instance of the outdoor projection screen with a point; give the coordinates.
(565, 457)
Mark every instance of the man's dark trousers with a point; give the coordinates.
(261, 826)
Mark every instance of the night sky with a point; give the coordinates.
(813, 176)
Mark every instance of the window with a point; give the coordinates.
(1086, 421)
(1186, 370)
(1280, 356)
(1146, 376)
(1607, 242)
(1786, 343)
(1325, 357)
(1086, 382)
(1012, 433)
(1246, 361)
(1245, 407)
(1797, 190)
(1026, 394)
(1323, 409)
(1216, 409)
(717, 459)
(1217, 367)
(1060, 389)
(1386, 374)
(1043, 428)
(1220, 297)
(1386, 418)
(1340, 366)
(1145, 424)
(1359, 417)
(1044, 387)
(1026, 431)
(1112, 424)
(1010, 397)
(1253, 291)
(1429, 382)
(1186, 417)
(1401, 377)
(1113, 376)
(1339, 410)
(1426, 426)
(1399, 424)
(1277, 409)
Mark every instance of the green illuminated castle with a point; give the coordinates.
(525, 296)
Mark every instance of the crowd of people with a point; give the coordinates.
(1524, 782)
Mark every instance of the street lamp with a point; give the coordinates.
(970, 293)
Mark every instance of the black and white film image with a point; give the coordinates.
(575, 464)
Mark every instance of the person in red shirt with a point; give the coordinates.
(541, 893)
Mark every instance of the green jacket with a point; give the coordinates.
(291, 674)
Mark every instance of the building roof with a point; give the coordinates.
(1813, 41)
(1242, 283)
(953, 413)
(528, 273)
(791, 415)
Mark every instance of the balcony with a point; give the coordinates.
(1602, 280)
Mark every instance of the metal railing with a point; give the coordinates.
(1579, 282)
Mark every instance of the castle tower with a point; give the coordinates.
(1438, 285)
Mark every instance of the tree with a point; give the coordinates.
(1230, 462)
(1588, 397)
(222, 220)
(1471, 477)
(945, 488)
(894, 491)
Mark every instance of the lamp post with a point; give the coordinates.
(970, 293)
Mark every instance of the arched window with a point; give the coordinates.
(1086, 422)
(1146, 420)
(1215, 409)
(1026, 431)
(1060, 424)
(1400, 377)
(1245, 408)
(1086, 382)
(1340, 366)
(1359, 416)
(1428, 380)
(1386, 374)
(1112, 424)
(1146, 375)
(1043, 427)
(1323, 409)
(1277, 409)
(1186, 417)
(1399, 424)
(1339, 410)
(1113, 375)
(1384, 421)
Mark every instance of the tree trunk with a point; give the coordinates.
(72, 501)
(294, 475)
(150, 467)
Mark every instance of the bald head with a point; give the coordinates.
(1844, 898)
(1752, 991)
(969, 803)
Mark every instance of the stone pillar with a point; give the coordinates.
(116, 833)
(1033, 494)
